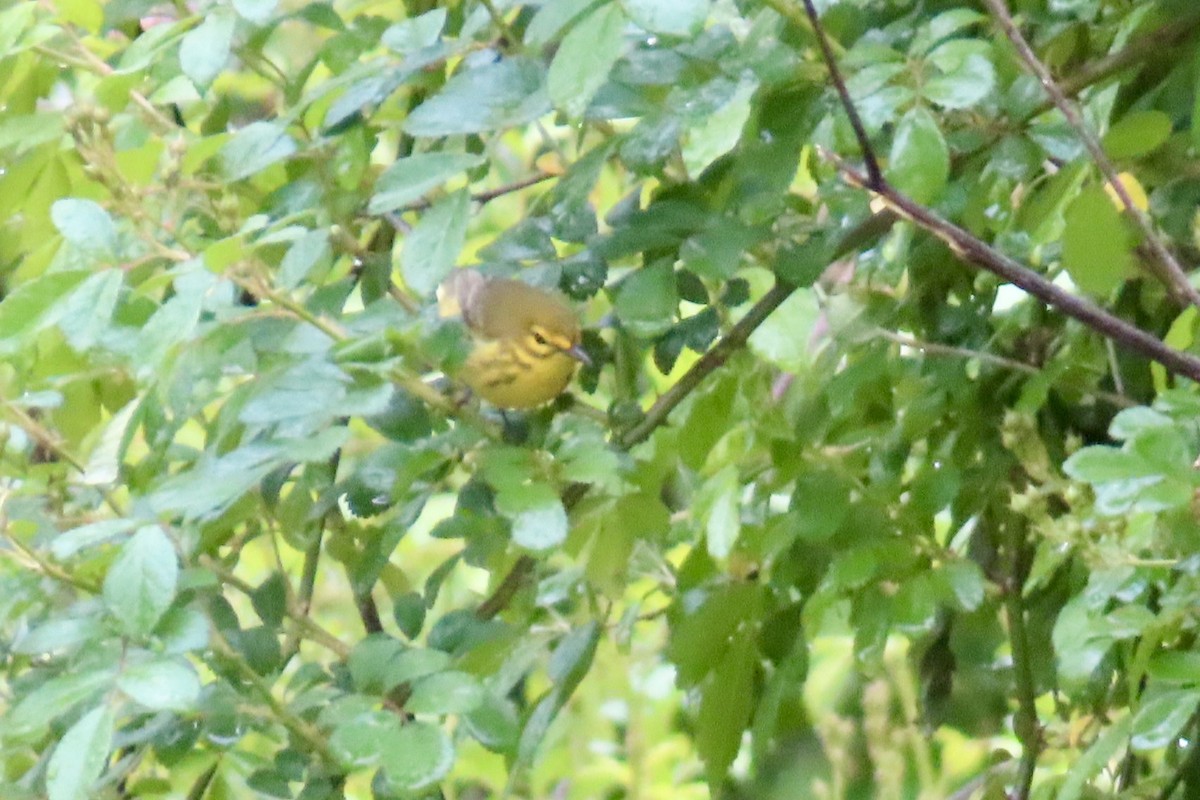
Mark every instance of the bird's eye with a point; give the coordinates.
(537, 337)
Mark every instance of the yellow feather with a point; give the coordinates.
(526, 339)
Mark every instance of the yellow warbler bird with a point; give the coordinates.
(526, 340)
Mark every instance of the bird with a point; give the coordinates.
(525, 340)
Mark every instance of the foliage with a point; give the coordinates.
(832, 513)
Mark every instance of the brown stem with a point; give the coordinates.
(835, 75)
(860, 133)
(982, 255)
(715, 357)
(485, 196)
(504, 593)
(368, 612)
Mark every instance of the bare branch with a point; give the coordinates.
(978, 252)
(860, 132)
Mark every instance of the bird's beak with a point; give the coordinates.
(579, 354)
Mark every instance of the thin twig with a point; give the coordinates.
(301, 729)
(507, 588)
(35, 559)
(1149, 44)
(48, 441)
(1173, 274)
(301, 620)
(977, 252)
(488, 195)
(498, 18)
(101, 68)
(874, 175)
(936, 348)
(717, 355)
(368, 614)
(811, 22)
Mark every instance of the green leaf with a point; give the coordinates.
(785, 338)
(1161, 718)
(700, 637)
(723, 518)
(494, 723)
(87, 312)
(1175, 667)
(205, 50)
(1129, 422)
(254, 148)
(260, 12)
(967, 76)
(719, 131)
(538, 518)
(409, 179)
(161, 685)
(416, 756)
(551, 18)
(584, 58)
(33, 305)
(537, 723)
(669, 17)
(919, 161)
(726, 703)
(56, 637)
(432, 247)
(211, 486)
(358, 742)
(717, 252)
(965, 582)
(646, 301)
(37, 709)
(86, 225)
(270, 598)
(176, 319)
(1137, 134)
(1099, 464)
(311, 389)
(371, 663)
(1078, 647)
(80, 756)
(1195, 137)
(13, 23)
(416, 663)
(821, 501)
(141, 582)
(302, 257)
(416, 33)
(943, 26)
(1097, 247)
(572, 656)
(483, 98)
(409, 612)
(20, 132)
(450, 692)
